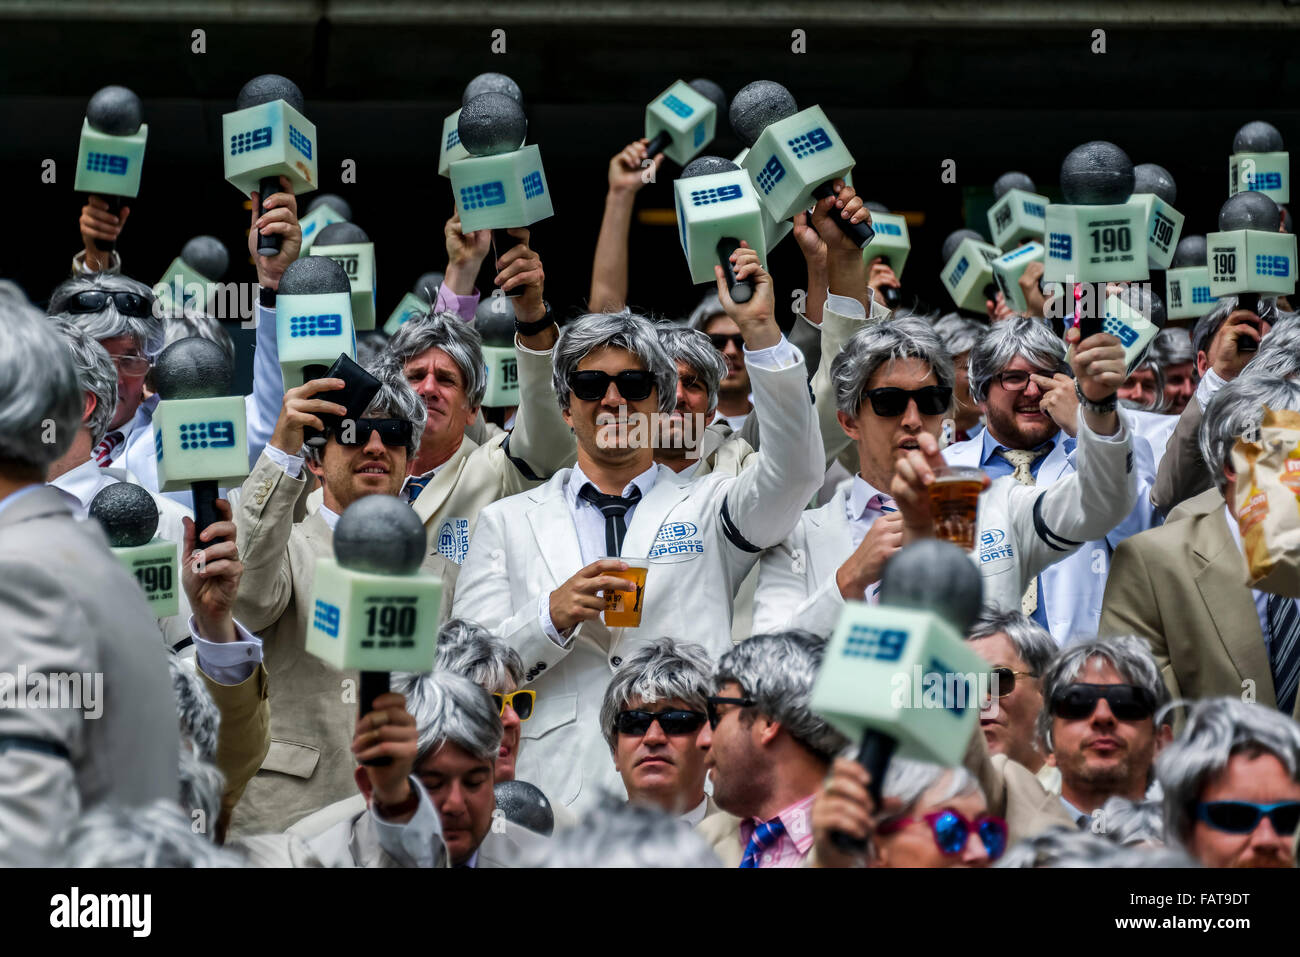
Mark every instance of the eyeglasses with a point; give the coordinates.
(1017, 380)
(720, 341)
(711, 705)
(1127, 702)
(690, 383)
(890, 403)
(1242, 817)
(131, 365)
(395, 433)
(952, 829)
(671, 722)
(521, 701)
(127, 303)
(591, 385)
(1006, 679)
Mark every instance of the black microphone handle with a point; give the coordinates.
(373, 684)
(1250, 301)
(114, 207)
(502, 241)
(873, 754)
(860, 233)
(662, 140)
(205, 510)
(741, 289)
(268, 244)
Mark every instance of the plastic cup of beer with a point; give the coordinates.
(953, 497)
(623, 607)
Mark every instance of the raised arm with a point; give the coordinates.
(628, 172)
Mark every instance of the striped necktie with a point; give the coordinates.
(415, 485)
(1022, 461)
(1284, 650)
(104, 450)
(613, 507)
(764, 836)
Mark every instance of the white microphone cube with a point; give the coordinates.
(182, 285)
(369, 622)
(715, 207)
(1018, 215)
(1267, 173)
(197, 440)
(968, 272)
(502, 377)
(794, 156)
(1251, 261)
(411, 305)
(110, 165)
(154, 566)
(690, 118)
(1009, 267)
(906, 674)
(358, 261)
(1164, 228)
(774, 230)
(1187, 292)
(312, 330)
(892, 241)
(450, 149)
(320, 217)
(270, 139)
(1134, 330)
(505, 191)
(1096, 243)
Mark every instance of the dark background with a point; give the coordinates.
(906, 96)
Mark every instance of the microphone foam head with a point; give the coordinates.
(267, 88)
(710, 91)
(339, 234)
(193, 368)
(1257, 137)
(1141, 298)
(524, 804)
(208, 255)
(115, 110)
(1250, 210)
(128, 513)
(707, 166)
(1096, 174)
(335, 202)
(955, 239)
(427, 285)
(757, 106)
(313, 275)
(1010, 181)
(934, 575)
(1150, 178)
(494, 319)
(1190, 252)
(492, 83)
(491, 123)
(380, 534)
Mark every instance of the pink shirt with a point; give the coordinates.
(792, 847)
(448, 301)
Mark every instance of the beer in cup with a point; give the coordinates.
(623, 608)
(953, 496)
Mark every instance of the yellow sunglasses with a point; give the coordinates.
(521, 701)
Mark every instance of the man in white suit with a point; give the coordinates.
(536, 571)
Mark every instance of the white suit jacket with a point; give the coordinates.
(701, 537)
(1021, 531)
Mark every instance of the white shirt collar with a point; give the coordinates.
(696, 814)
(644, 482)
(330, 516)
(860, 493)
(80, 485)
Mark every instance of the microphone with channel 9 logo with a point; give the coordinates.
(1187, 280)
(1260, 163)
(111, 153)
(683, 119)
(129, 517)
(313, 319)
(967, 269)
(200, 429)
(452, 150)
(325, 210)
(349, 246)
(717, 208)
(1154, 188)
(1248, 257)
(267, 137)
(189, 279)
(1017, 211)
(373, 609)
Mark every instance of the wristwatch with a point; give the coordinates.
(1106, 405)
(401, 809)
(533, 328)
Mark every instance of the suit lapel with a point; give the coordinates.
(1054, 465)
(428, 502)
(829, 542)
(552, 526)
(651, 512)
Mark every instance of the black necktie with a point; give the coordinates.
(613, 507)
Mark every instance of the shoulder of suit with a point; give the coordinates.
(1203, 503)
(719, 828)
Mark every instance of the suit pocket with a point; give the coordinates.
(553, 711)
(288, 757)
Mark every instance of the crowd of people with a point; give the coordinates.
(1145, 702)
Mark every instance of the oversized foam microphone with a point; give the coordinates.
(189, 278)
(1154, 188)
(716, 209)
(1134, 315)
(452, 149)
(793, 154)
(1248, 257)
(683, 119)
(525, 804)
(349, 246)
(200, 429)
(111, 153)
(129, 517)
(1187, 281)
(495, 322)
(325, 210)
(267, 137)
(1017, 211)
(1260, 163)
(967, 271)
(1009, 267)
(313, 319)
(1098, 234)
(373, 610)
(897, 676)
(891, 246)
(417, 302)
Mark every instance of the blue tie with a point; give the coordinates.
(765, 835)
(1284, 648)
(415, 485)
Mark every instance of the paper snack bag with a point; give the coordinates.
(1268, 502)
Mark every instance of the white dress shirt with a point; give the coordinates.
(228, 662)
(696, 814)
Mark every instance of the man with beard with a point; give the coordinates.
(1102, 700)
(1171, 352)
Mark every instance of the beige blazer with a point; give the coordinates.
(244, 735)
(1014, 793)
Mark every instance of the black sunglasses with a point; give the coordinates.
(889, 403)
(394, 433)
(711, 705)
(672, 722)
(1127, 702)
(591, 385)
(127, 303)
(720, 341)
(1242, 817)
